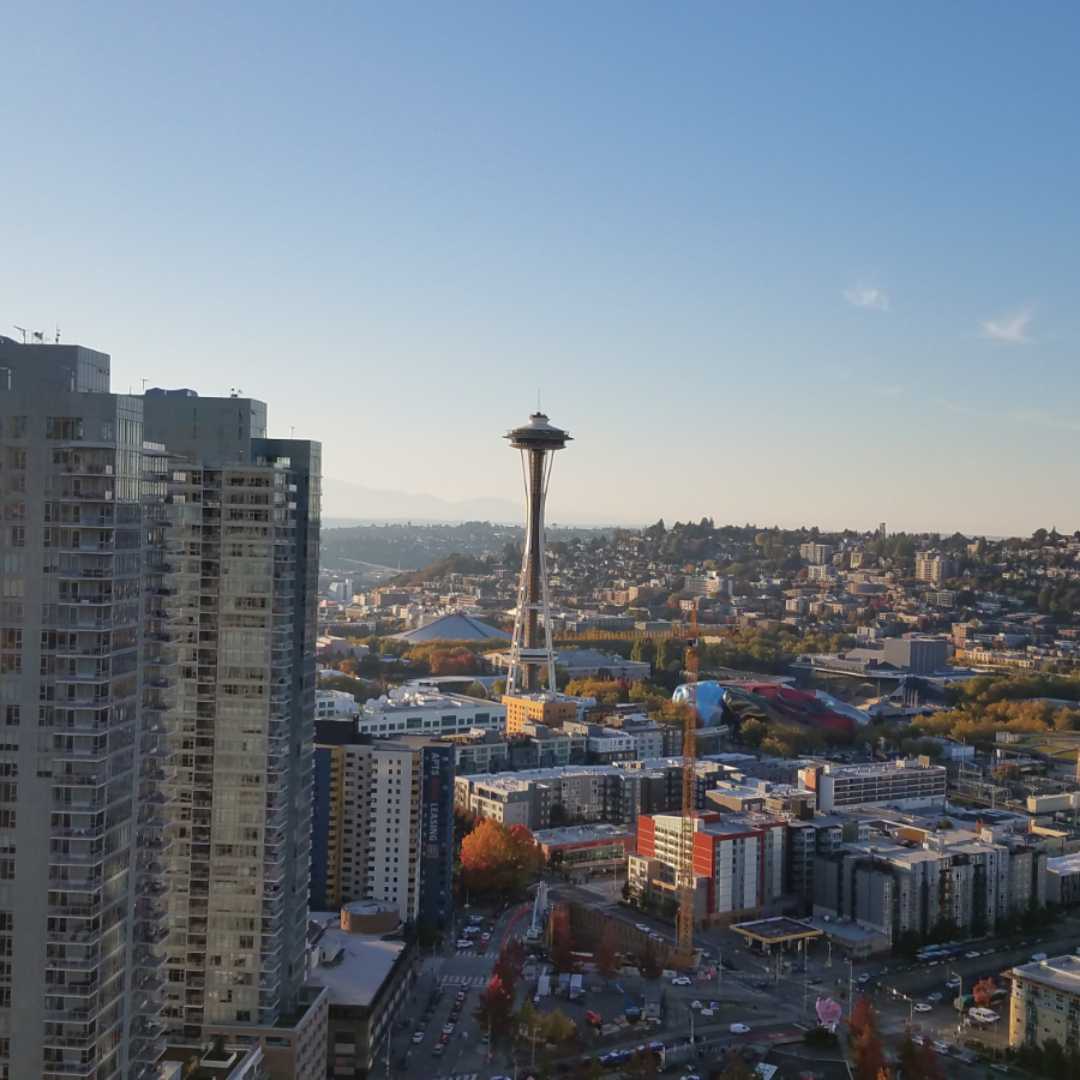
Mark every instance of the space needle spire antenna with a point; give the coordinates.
(531, 650)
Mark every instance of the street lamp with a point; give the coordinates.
(960, 997)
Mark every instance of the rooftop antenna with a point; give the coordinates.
(22, 330)
(538, 409)
(58, 334)
(144, 382)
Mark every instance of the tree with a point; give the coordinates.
(495, 1007)
(983, 991)
(649, 962)
(556, 1027)
(475, 689)
(735, 1069)
(495, 859)
(869, 1055)
(606, 958)
(561, 941)
(752, 732)
(862, 1017)
(929, 1064)
(510, 963)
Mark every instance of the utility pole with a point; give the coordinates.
(850, 986)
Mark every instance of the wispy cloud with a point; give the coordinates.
(1011, 329)
(867, 296)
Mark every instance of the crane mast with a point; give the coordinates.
(684, 921)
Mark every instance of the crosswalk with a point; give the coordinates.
(470, 953)
(466, 981)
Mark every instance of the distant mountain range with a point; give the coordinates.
(354, 502)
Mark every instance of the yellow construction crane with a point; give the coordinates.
(684, 920)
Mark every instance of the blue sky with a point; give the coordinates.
(776, 263)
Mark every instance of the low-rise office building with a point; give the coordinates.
(367, 971)
(583, 851)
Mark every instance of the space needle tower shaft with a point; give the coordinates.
(531, 649)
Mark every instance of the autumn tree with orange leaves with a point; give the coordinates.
(495, 1007)
(495, 859)
(983, 991)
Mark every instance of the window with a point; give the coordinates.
(64, 427)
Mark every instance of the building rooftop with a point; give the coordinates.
(457, 626)
(1064, 864)
(878, 768)
(580, 834)
(409, 699)
(1059, 973)
(352, 967)
(780, 928)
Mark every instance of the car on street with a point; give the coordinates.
(695, 1004)
(448, 1029)
(973, 955)
(642, 927)
(941, 1047)
(708, 1012)
(935, 997)
(918, 1040)
(417, 1036)
(923, 1007)
(739, 1029)
(682, 980)
(464, 943)
(690, 1076)
(864, 978)
(485, 936)
(953, 981)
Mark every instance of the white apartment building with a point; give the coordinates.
(419, 711)
(1045, 1003)
(905, 782)
(335, 705)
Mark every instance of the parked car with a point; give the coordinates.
(417, 1036)
(682, 980)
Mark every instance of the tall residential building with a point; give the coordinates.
(383, 825)
(243, 553)
(85, 677)
(816, 554)
(934, 568)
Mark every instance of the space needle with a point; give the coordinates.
(529, 652)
